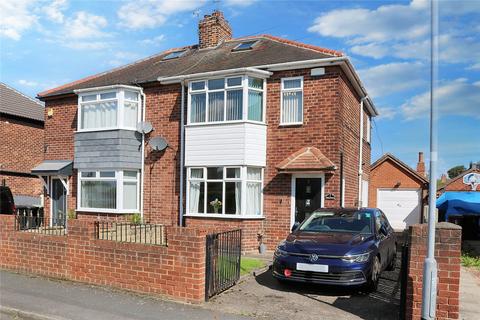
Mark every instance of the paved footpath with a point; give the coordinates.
(34, 298)
(469, 295)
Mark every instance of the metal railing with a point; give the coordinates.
(153, 234)
(33, 220)
(223, 251)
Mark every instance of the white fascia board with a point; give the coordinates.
(103, 88)
(227, 72)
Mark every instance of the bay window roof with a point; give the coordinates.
(307, 159)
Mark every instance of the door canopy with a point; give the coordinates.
(307, 159)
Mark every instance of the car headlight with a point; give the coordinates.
(357, 257)
(280, 253)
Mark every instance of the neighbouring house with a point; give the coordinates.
(459, 202)
(398, 190)
(252, 133)
(21, 145)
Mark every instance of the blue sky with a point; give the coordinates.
(47, 43)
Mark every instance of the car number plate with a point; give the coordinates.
(312, 267)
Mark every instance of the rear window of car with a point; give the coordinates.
(342, 221)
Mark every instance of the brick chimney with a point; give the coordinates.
(443, 178)
(421, 164)
(213, 29)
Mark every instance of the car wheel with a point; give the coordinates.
(372, 283)
(391, 265)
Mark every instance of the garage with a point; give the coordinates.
(402, 206)
(398, 190)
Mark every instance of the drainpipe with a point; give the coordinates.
(342, 184)
(360, 159)
(182, 155)
(143, 154)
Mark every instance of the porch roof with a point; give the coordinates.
(307, 159)
(54, 168)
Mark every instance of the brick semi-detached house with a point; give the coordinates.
(265, 130)
(21, 144)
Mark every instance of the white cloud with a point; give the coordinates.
(85, 25)
(373, 50)
(393, 77)
(54, 11)
(387, 113)
(239, 3)
(152, 13)
(153, 41)
(16, 17)
(458, 97)
(123, 57)
(387, 22)
(475, 66)
(27, 83)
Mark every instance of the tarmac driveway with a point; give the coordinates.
(262, 297)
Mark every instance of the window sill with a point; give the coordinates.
(105, 129)
(224, 216)
(224, 123)
(295, 124)
(112, 211)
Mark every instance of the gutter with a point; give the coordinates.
(113, 86)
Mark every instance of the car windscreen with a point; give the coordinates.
(346, 221)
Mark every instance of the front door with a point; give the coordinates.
(308, 197)
(59, 203)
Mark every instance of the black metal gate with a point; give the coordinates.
(404, 280)
(222, 269)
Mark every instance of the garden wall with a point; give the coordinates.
(448, 238)
(176, 271)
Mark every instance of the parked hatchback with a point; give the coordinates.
(338, 246)
(7, 205)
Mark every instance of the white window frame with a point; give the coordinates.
(119, 179)
(243, 179)
(283, 90)
(244, 86)
(120, 99)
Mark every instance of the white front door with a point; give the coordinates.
(401, 206)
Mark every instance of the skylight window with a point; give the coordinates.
(245, 46)
(174, 54)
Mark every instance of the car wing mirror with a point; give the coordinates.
(383, 230)
(295, 226)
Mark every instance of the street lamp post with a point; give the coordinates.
(429, 292)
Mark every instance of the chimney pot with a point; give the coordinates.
(212, 30)
(421, 164)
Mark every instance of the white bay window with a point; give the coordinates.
(108, 191)
(111, 109)
(227, 99)
(225, 191)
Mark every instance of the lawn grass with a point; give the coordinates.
(247, 265)
(469, 260)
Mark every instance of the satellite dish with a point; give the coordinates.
(158, 143)
(144, 127)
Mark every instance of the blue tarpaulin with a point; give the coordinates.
(459, 203)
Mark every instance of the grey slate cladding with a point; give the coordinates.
(113, 149)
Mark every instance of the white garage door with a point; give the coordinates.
(401, 206)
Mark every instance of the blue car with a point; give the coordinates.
(346, 247)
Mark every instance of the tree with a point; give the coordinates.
(455, 171)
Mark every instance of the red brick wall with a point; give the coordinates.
(21, 149)
(447, 253)
(331, 123)
(387, 175)
(176, 271)
(250, 229)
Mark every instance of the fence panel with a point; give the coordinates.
(128, 232)
(222, 271)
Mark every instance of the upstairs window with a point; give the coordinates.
(174, 54)
(245, 46)
(226, 99)
(292, 101)
(368, 129)
(116, 109)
